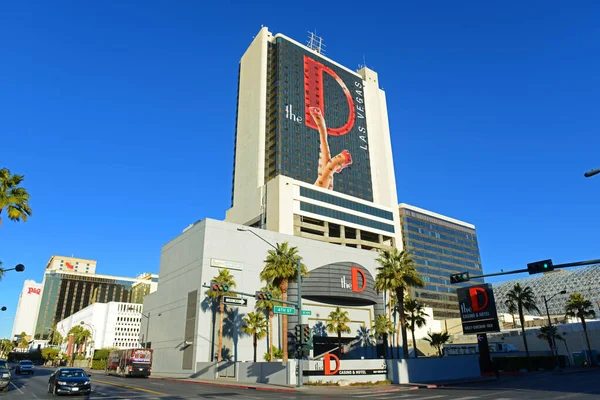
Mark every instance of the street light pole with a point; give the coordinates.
(147, 325)
(299, 304)
(93, 337)
(550, 331)
(18, 268)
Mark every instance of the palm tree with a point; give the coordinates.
(437, 340)
(268, 306)
(281, 269)
(415, 318)
(83, 337)
(13, 199)
(24, 341)
(364, 335)
(521, 299)
(397, 273)
(579, 307)
(338, 323)
(383, 327)
(512, 309)
(224, 277)
(547, 333)
(255, 324)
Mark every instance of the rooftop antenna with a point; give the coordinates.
(315, 42)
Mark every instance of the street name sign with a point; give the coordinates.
(284, 310)
(235, 301)
(306, 312)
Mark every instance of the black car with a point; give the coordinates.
(69, 381)
(4, 376)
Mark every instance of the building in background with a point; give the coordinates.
(440, 246)
(145, 284)
(71, 264)
(71, 284)
(583, 280)
(312, 154)
(112, 324)
(27, 309)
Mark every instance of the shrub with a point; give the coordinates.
(98, 364)
(513, 364)
(101, 354)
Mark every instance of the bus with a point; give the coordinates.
(129, 362)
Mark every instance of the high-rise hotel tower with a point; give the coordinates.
(313, 156)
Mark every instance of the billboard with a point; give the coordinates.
(321, 130)
(478, 309)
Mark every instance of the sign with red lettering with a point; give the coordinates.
(33, 290)
(320, 126)
(478, 309)
(69, 265)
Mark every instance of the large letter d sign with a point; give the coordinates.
(327, 364)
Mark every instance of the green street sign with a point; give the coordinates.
(284, 310)
(306, 312)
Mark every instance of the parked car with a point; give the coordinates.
(69, 381)
(4, 376)
(24, 367)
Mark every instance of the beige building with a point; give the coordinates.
(313, 155)
(145, 284)
(71, 264)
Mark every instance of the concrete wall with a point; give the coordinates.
(262, 372)
(432, 369)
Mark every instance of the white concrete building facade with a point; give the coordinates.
(113, 324)
(27, 308)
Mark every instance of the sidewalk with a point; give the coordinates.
(231, 383)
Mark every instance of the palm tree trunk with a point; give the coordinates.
(271, 314)
(412, 331)
(221, 312)
(440, 351)
(340, 342)
(400, 301)
(255, 347)
(514, 321)
(587, 339)
(522, 318)
(284, 320)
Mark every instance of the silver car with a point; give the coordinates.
(24, 367)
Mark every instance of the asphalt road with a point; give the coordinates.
(546, 386)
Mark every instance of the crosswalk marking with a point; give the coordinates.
(467, 398)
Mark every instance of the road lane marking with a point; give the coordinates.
(15, 386)
(130, 387)
(467, 398)
(433, 397)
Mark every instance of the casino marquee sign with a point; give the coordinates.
(341, 283)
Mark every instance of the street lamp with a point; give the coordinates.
(591, 173)
(18, 268)
(550, 331)
(3, 308)
(299, 306)
(82, 323)
(147, 324)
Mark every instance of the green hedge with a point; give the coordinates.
(99, 364)
(101, 354)
(513, 364)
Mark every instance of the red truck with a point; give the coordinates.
(129, 362)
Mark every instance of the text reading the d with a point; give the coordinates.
(327, 364)
(355, 273)
(479, 299)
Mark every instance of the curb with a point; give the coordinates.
(441, 385)
(229, 385)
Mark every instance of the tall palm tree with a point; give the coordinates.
(415, 318)
(24, 341)
(547, 333)
(268, 306)
(512, 309)
(397, 273)
(280, 270)
(521, 299)
(13, 198)
(382, 328)
(224, 277)
(83, 337)
(337, 323)
(579, 307)
(255, 324)
(437, 340)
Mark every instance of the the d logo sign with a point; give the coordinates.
(327, 364)
(314, 95)
(355, 272)
(477, 306)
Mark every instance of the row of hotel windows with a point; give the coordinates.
(468, 243)
(441, 243)
(126, 343)
(312, 208)
(431, 279)
(440, 228)
(351, 205)
(441, 250)
(429, 257)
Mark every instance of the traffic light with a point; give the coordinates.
(305, 337)
(219, 287)
(539, 267)
(298, 332)
(262, 296)
(457, 278)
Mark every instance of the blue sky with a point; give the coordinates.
(122, 119)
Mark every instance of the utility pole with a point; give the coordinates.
(550, 330)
